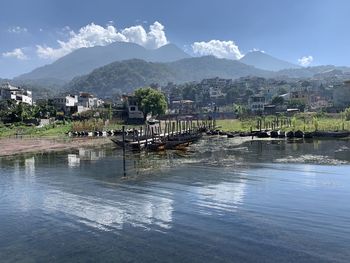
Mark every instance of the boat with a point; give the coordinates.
(281, 134)
(130, 145)
(299, 134)
(262, 134)
(290, 134)
(308, 135)
(274, 134)
(230, 135)
(330, 134)
(176, 144)
(156, 146)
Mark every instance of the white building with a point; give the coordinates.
(65, 103)
(8, 92)
(75, 103)
(216, 93)
(89, 101)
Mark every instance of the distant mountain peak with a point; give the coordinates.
(84, 60)
(262, 60)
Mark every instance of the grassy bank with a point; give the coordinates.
(303, 122)
(52, 130)
(58, 129)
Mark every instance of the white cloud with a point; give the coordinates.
(257, 49)
(218, 48)
(17, 30)
(16, 53)
(96, 35)
(305, 61)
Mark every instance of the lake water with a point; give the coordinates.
(221, 201)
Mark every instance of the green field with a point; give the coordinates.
(52, 130)
(303, 122)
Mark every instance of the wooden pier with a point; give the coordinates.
(170, 134)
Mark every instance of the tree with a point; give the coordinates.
(297, 103)
(346, 114)
(151, 101)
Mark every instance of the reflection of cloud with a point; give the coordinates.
(223, 196)
(139, 211)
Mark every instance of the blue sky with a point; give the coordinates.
(286, 29)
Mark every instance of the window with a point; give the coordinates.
(132, 108)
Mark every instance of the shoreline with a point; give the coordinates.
(16, 146)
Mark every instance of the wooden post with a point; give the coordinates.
(124, 168)
(138, 140)
(146, 135)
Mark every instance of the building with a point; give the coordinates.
(183, 107)
(8, 92)
(216, 83)
(300, 96)
(73, 103)
(341, 95)
(256, 103)
(87, 100)
(67, 104)
(134, 114)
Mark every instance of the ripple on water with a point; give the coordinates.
(312, 159)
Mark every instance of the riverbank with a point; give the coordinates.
(14, 146)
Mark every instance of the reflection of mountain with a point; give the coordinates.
(140, 210)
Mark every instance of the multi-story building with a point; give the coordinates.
(89, 101)
(68, 103)
(135, 115)
(74, 103)
(183, 107)
(257, 103)
(8, 92)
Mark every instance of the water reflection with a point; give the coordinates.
(108, 214)
(225, 196)
(221, 199)
(73, 160)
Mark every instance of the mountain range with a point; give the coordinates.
(122, 67)
(265, 61)
(124, 76)
(84, 60)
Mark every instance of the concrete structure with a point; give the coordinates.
(183, 107)
(68, 103)
(256, 103)
(89, 101)
(134, 114)
(8, 92)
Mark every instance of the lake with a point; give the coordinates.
(223, 200)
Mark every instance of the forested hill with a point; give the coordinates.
(125, 76)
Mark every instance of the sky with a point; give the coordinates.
(306, 32)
